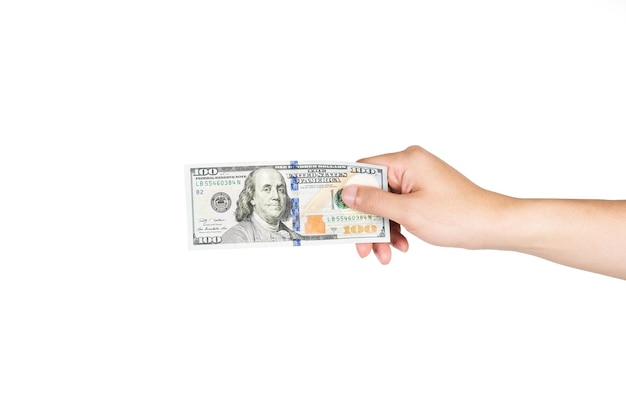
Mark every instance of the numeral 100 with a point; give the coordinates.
(357, 229)
(200, 172)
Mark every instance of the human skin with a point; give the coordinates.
(433, 201)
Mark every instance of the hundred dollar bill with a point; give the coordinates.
(279, 203)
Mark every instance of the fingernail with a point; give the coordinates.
(348, 194)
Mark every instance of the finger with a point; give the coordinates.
(398, 240)
(373, 200)
(382, 252)
(390, 161)
(363, 249)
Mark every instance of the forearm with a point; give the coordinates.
(584, 234)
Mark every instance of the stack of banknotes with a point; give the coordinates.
(291, 203)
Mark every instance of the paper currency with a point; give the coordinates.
(279, 203)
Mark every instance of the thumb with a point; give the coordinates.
(373, 200)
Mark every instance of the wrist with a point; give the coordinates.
(507, 224)
(527, 225)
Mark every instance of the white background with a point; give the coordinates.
(105, 312)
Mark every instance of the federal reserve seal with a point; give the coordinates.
(339, 201)
(220, 202)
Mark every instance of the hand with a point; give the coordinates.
(429, 198)
(439, 205)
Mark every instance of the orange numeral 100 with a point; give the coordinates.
(357, 229)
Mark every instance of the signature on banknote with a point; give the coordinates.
(211, 225)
